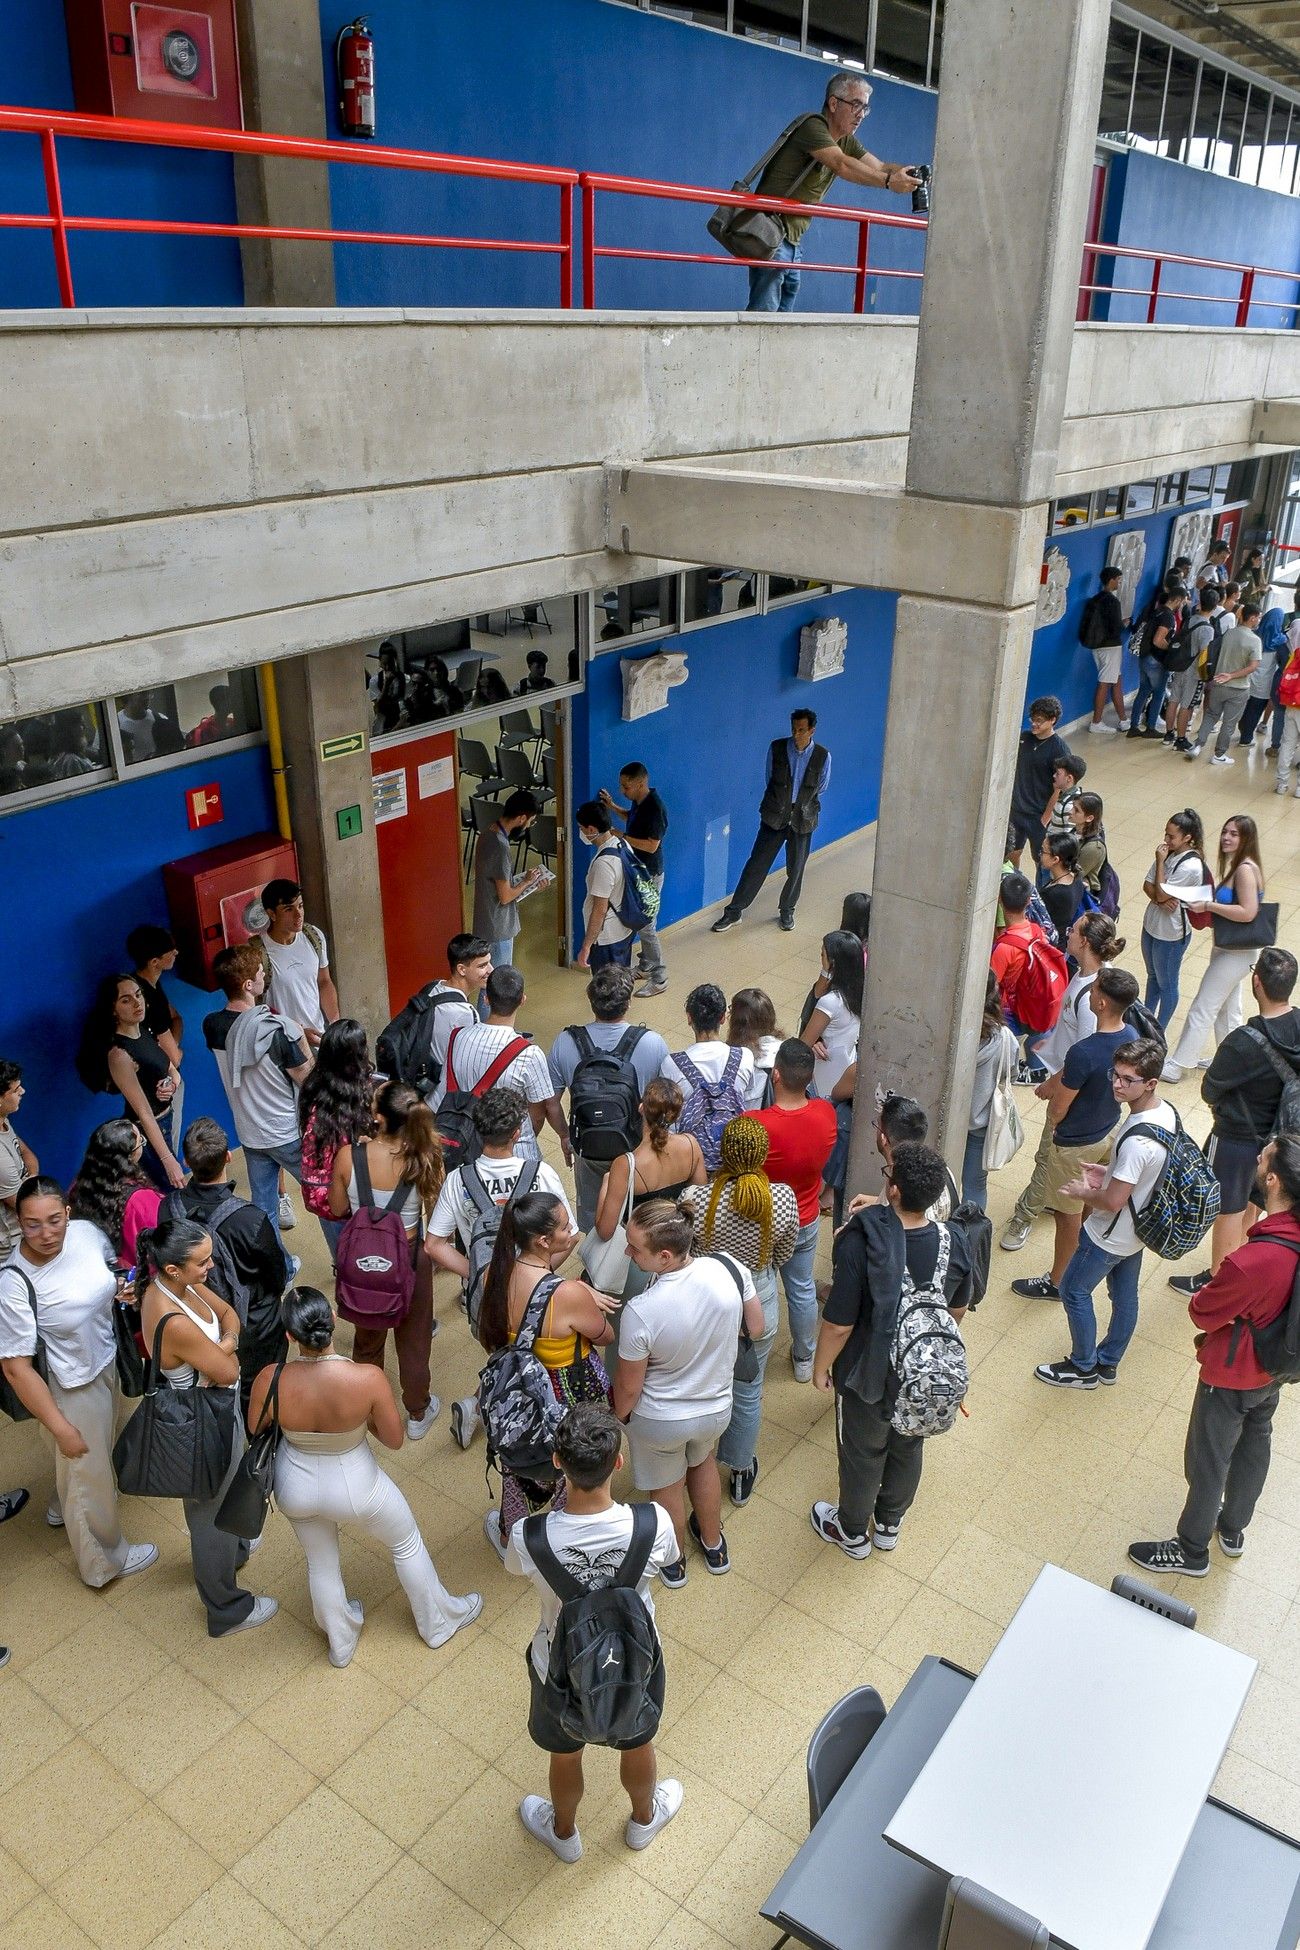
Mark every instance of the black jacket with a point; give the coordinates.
(867, 1282)
(1241, 1086)
(259, 1257)
(779, 808)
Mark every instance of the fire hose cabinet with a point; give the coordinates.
(209, 893)
(156, 63)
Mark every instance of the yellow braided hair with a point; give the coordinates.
(744, 1153)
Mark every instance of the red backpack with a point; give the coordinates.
(1040, 986)
(375, 1282)
(1288, 689)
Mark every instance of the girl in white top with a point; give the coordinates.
(200, 1333)
(16, 1161)
(1218, 1000)
(326, 1474)
(1166, 929)
(832, 1029)
(752, 1026)
(996, 1057)
(59, 1281)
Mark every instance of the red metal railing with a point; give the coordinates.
(49, 124)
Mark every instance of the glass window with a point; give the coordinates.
(770, 20)
(1073, 511)
(1259, 114)
(1176, 130)
(717, 592)
(1139, 498)
(715, 16)
(839, 28)
(1227, 150)
(57, 748)
(1107, 504)
(637, 609)
(1149, 92)
(196, 712)
(424, 676)
(903, 39)
(1117, 86)
(1219, 491)
(789, 589)
(1171, 490)
(1280, 150)
(1209, 109)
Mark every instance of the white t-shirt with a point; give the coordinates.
(1138, 1161)
(1075, 1021)
(710, 1059)
(74, 1293)
(841, 1039)
(1171, 924)
(686, 1325)
(476, 1050)
(589, 1547)
(605, 879)
(764, 1058)
(459, 1013)
(294, 987)
(455, 1212)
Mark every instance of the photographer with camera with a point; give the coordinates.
(808, 158)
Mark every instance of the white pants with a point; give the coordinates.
(317, 1494)
(86, 1489)
(1217, 1004)
(1287, 750)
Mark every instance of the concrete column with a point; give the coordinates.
(322, 697)
(1011, 177)
(284, 93)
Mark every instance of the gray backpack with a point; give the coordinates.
(516, 1400)
(483, 1232)
(928, 1355)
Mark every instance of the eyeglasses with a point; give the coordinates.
(1122, 1077)
(854, 107)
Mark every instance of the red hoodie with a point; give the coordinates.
(1254, 1283)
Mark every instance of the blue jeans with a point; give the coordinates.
(801, 1291)
(264, 1177)
(1085, 1272)
(775, 290)
(1163, 960)
(1150, 691)
(740, 1437)
(617, 954)
(974, 1178)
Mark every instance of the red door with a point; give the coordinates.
(417, 826)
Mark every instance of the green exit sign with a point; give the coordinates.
(352, 741)
(348, 821)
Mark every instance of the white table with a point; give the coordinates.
(1072, 1775)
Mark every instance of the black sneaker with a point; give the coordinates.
(1064, 1374)
(1169, 1559)
(1153, 731)
(1190, 1283)
(717, 1559)
(1031, 1073)
(11, 1502)
(723, 922)
(1107, 1373)
(742, 1484)
(785, 922)
(1041, 1287)
(1231, 1542)
(1136, 731)
(674, 1575)
(1182, 745)
(1170, 739)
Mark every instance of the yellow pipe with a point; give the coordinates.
(275, 743)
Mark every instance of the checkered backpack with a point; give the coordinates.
(928, 1355)
(1185, 1202)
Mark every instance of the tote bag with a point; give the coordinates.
(606, 1260)
(179, 1441)
(1004, 1133)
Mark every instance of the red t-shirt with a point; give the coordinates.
(799, 1143)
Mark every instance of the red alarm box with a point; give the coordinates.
(156, 63)
(208, 893)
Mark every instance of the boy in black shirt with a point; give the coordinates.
(647, 822)
(880, 1470)
(1040, 748)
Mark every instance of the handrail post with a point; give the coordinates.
(588, 245)
(1154, 299)
(860, 281)
(566, 246)
(59, 234)
(1247, 292)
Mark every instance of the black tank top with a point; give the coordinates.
(151, 1065)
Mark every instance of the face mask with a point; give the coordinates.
(586, 838)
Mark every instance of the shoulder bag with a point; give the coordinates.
(606, 1260)
(756, 234)
(746, 1368)
(10, 1404)
(1259, 933)
(179, 1441)
(248, 1498)
(1004, 1134)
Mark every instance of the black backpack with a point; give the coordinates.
(605, 1652)
(976, 1228)
(1139, 1017)
(405, 1049)
(1277, 1346)
(455, 1114)
(1286, 1118)
(486, 1226)
(225, 1277)
(1092, 631)
(605, 1097)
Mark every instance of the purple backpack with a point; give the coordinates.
(375, 1282)
(711, 1106)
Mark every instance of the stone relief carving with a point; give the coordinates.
(1127, 552)
(821, 648)
(1191, 535)
(648, 680)
(1053, 590)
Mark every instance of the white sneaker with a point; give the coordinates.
(492, 1531)
(668, 1799)
(1222, 758)
(1281, 788)
(138, 1558)
(802, 1369)
(1015, 1234)
(417, 1427)
(1103, 730)
(264, 1609)
(288, 1217)
(538, 1817)
(1125, 724)
(1171, 1073)
(464, 1420)
(1297, 792)
(54, 1516)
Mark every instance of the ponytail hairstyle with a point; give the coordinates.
(1090, 805)
(169, 1243)
(661, 1106)
(743, 1152)
(1188, 822)
(401, 1113)
(843, 952)
(523, 1222)
(1101, 935)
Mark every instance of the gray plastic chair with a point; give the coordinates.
(1137, 1593)
(838, 1743)
(975, 1919)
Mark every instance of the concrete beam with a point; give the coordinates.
(1276, 423)
(877, 538)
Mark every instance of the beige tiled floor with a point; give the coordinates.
(156, 1787)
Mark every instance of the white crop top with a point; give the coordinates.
(184, 1376)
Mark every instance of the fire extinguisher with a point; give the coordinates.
(354, 58)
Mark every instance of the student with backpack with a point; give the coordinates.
(384, 1185)
(606, 937)
(1150, 642)
(1115, 1194)
(1247, 1345)
(1032, 975)
(496, 1052)
(1197, 650)
(884, 1253)
(413, 1048)
(1166, 925)
(542, 1333)
(463, 1230)
(1286, 740)
(1101, 630)
(605, 1065)
(1093, 864)
(595, 1664)
(715, 1078)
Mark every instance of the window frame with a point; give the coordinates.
(481, 713)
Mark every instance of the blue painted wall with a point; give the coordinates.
(107, 179)
(1152, 203)
(80, 873)
(706, 752)
(585, 85)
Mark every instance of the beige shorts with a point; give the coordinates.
(663, 1451)
(1109, 661)
(1063, 1165)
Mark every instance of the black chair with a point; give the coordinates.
(517, 731)
(475, 819)
(550, 772)
(477, 762)
(541, 838)
(1161, 1602)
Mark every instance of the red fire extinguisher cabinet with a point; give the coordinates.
(156, 63)
(207, 894)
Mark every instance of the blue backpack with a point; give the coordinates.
(639, 903)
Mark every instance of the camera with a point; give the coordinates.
(921, 194)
